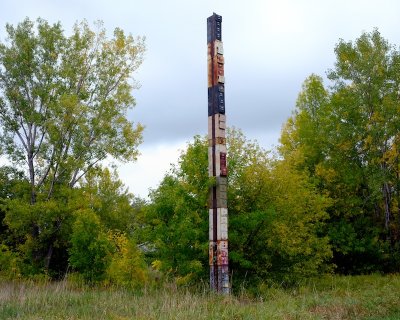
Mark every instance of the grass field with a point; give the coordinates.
(360, 297)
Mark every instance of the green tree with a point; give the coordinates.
(127, 266)
(12, 185)
(176, 220)
(100, 192)
(64, 100)
(274, 217)
(346, 138)
(63, 109)
(90, 251)
(109, 199)
(47, 249)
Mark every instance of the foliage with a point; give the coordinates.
(53, 222)
(64, 99)
(175, 230)
(101, 203)
(111, 256)
(105, 193)
(90, 248)
(63, 110)
(127, 267)
(12, 185)
(346, 138)
(9, 263)
(274, 215)
(332, 197)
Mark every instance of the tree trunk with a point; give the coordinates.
(47, 259)
(387, 200)
(32, 177)
(37, 256)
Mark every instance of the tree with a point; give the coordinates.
(346, 138)
(127, 266)
(100, 193)
(63, 108)
(274, 217)
(12, 186)
(175, 223)
(64, 100)
(105, 193)
(90, 251)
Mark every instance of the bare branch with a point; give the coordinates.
(22, 140)
(75, 180)
(40, 144)
(43, 178)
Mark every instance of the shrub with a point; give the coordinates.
(127, 267)
(90, 248)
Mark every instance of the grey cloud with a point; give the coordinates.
(264, 66)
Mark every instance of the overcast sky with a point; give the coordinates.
(270, 47)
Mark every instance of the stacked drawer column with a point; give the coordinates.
(217, 166)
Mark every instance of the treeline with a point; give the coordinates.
(328, 201)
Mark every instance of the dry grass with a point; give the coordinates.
(364, 297)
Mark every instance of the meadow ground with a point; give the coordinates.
(335, 297)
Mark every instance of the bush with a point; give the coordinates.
(9, 263)
(127, 267)
(90, 250)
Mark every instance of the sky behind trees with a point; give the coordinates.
(270, 47)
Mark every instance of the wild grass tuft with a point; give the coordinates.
(358, 297)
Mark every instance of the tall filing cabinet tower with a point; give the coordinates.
(217, 167)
